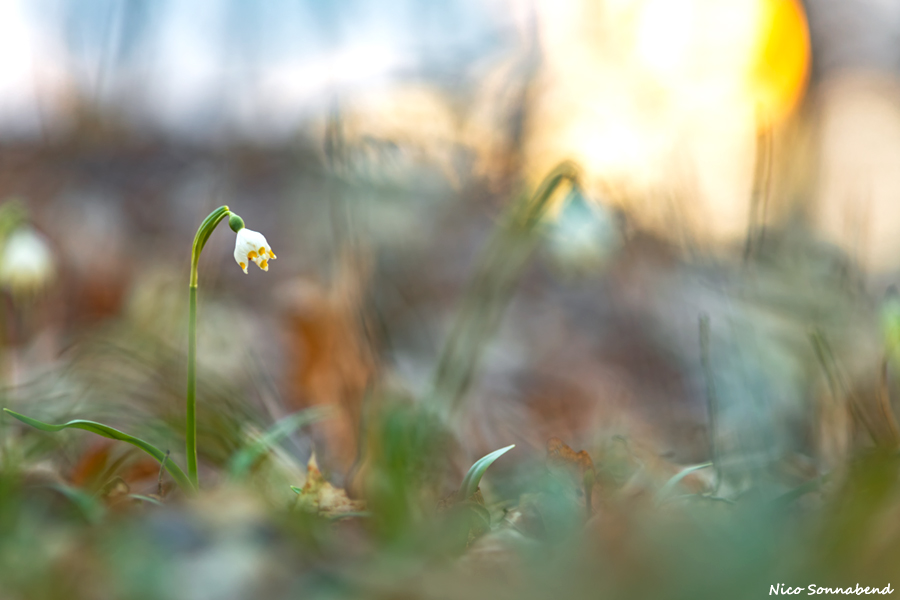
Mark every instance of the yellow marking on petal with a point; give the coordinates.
(271, 254)
(262, 250)
(264, 265)
(243, 267)
(252, 255)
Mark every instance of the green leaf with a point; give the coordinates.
(476, 472)
(146, 499)
(667, 489)
(812, 485)
(113, 434)
(242, 460)
(89, 507)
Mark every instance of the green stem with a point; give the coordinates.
(191, 412)
(203, 233)
(490, 290)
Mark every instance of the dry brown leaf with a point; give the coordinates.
(320, 497)
(559, 454)
(578, 466)
(92, 464)
(333, 364)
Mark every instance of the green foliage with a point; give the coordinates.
(405, 529)
(244, 459)
(113, 434)
(491, 288)
(476, 472)
(672, 484)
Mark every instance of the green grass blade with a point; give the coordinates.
(667, 489)
(476, 472)
(113, 434)
(812, 485)
(146, 499)
(243, 460)
(92, 510)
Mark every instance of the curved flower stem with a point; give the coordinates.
(203, 233)
(490, 290)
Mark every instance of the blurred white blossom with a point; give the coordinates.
(26, 263)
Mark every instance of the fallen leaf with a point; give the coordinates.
(577, 466)
(92, 464)
(559, 454)
(328, 347)
(318, 496)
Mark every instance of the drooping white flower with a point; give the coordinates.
(252, 246)
(584, 235)
(26, 264)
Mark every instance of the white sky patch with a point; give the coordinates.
(32, 74)
(212, 68)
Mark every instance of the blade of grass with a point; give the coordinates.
(89, 507)
(673, 481)
(113, 434)
(759, 198)
(476, 472)
(712, 401)
(840, 390)
(146, 499)
(812, 485)
(243, 460)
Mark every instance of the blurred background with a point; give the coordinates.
(711, 288)
(375, 144)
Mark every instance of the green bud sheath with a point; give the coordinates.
(235, 222)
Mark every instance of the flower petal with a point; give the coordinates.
(252, 246)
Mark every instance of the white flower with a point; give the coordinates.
(252, 245)
(26, 265)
